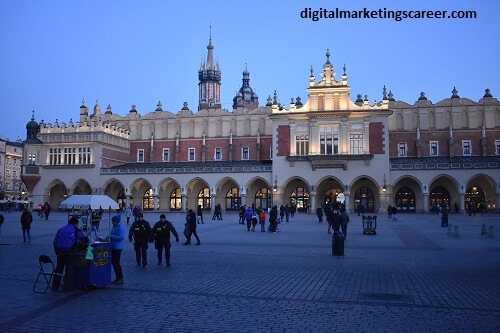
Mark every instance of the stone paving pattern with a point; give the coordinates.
(411, 277)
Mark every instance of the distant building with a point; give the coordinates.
(329, 149)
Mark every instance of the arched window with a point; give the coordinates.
(473, 196)
(121, 199)
(399, 121)
(233, 199)
(147, 200)
(464, 118)
(365, 196)
(440, 195)
(262, 198)
(176, 199)
(405, 200)
(431, 120)
(204, 198)
(300, 199)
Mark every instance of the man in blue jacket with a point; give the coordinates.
(116, 237)
(65, 238)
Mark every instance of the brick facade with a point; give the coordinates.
(377, 142)
(283, 144)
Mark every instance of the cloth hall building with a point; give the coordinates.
(327, 149)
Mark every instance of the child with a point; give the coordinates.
(262, 220)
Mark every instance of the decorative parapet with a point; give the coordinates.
(445, 164)
(183, 170)
(330, 161)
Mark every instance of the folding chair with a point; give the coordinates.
(48, 271)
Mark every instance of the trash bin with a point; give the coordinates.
(338, 244)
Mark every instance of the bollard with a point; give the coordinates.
(491, 232)
(337, 244)
(484, 230)
(456, 231)
(450, 229)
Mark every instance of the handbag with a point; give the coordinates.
(186, 231)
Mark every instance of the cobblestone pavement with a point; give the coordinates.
(411, 277)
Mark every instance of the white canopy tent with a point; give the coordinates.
(91, 202)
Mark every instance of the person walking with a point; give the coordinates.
(262, 220)
(26, 219)
(344, 219)
(282, 213)
(389, 212)
(199, 215)
(292, 210)
(161, 234)
(319, 213)
(287, 213)
(329, 213)
(444, 217)
(248, 217)
(394, 213)
(46, 210)
(191, 224)
(64, 241)
(128, 213)
(116, 237)
(242, 214)
(140, 231)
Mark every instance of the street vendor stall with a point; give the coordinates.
(92, 267)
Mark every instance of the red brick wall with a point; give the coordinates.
(185, 144)
(111, 157)
(377, 143)
(442, 137)
(283, 148)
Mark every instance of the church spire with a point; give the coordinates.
(210, 77)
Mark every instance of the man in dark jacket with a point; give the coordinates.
(26, 219)
(242, 214)
(140, 231)
(64, 241)
(319, 212)
(191, 224)
(344, 219)
(161, 234)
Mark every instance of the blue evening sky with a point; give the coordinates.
(54, 53)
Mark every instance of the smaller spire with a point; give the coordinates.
(327, 56)
(422, 97)
(97, 101)
(33, 115)
(158, 106)
(487, 93)
(366, 98)
(391, 96)
(83, 101)
(312, 71)
(298, 103)
(269, 101)
(359, 99)
(185, 106)
(344, 68)
(384, 93)
(108, 109)
(454, 93)
(275, 98)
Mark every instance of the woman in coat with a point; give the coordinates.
(26, 219)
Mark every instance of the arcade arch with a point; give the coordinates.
(114, 189)
(258, 192)
(481, 188)
(169, 195)
(443, 190)
(296, 191)
(328, 190)
(141, 194)
(228, 194)
(57, 192)
(364, 190)
(81, 187)
(408, 195)
(198, 193)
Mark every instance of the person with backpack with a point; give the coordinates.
(161, 235)
(140, 231)
(248, 217)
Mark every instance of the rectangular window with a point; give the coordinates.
(356, 144)
(191, 156)
(166, 154)
(329, 144)
(302, 145)
(218, 154)
(497, 147)
(31, 159)
(402, 149)
(245, 153)
(140, 155)
(434, 148)
(466, 147)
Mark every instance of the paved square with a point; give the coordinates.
(411, 277)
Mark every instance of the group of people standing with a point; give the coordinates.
(253, 216)
(336, 219)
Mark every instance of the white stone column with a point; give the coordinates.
(183, 202)
(212, 203)
(425, 198)
(243, 199)
(312, 198)
(347, 193)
